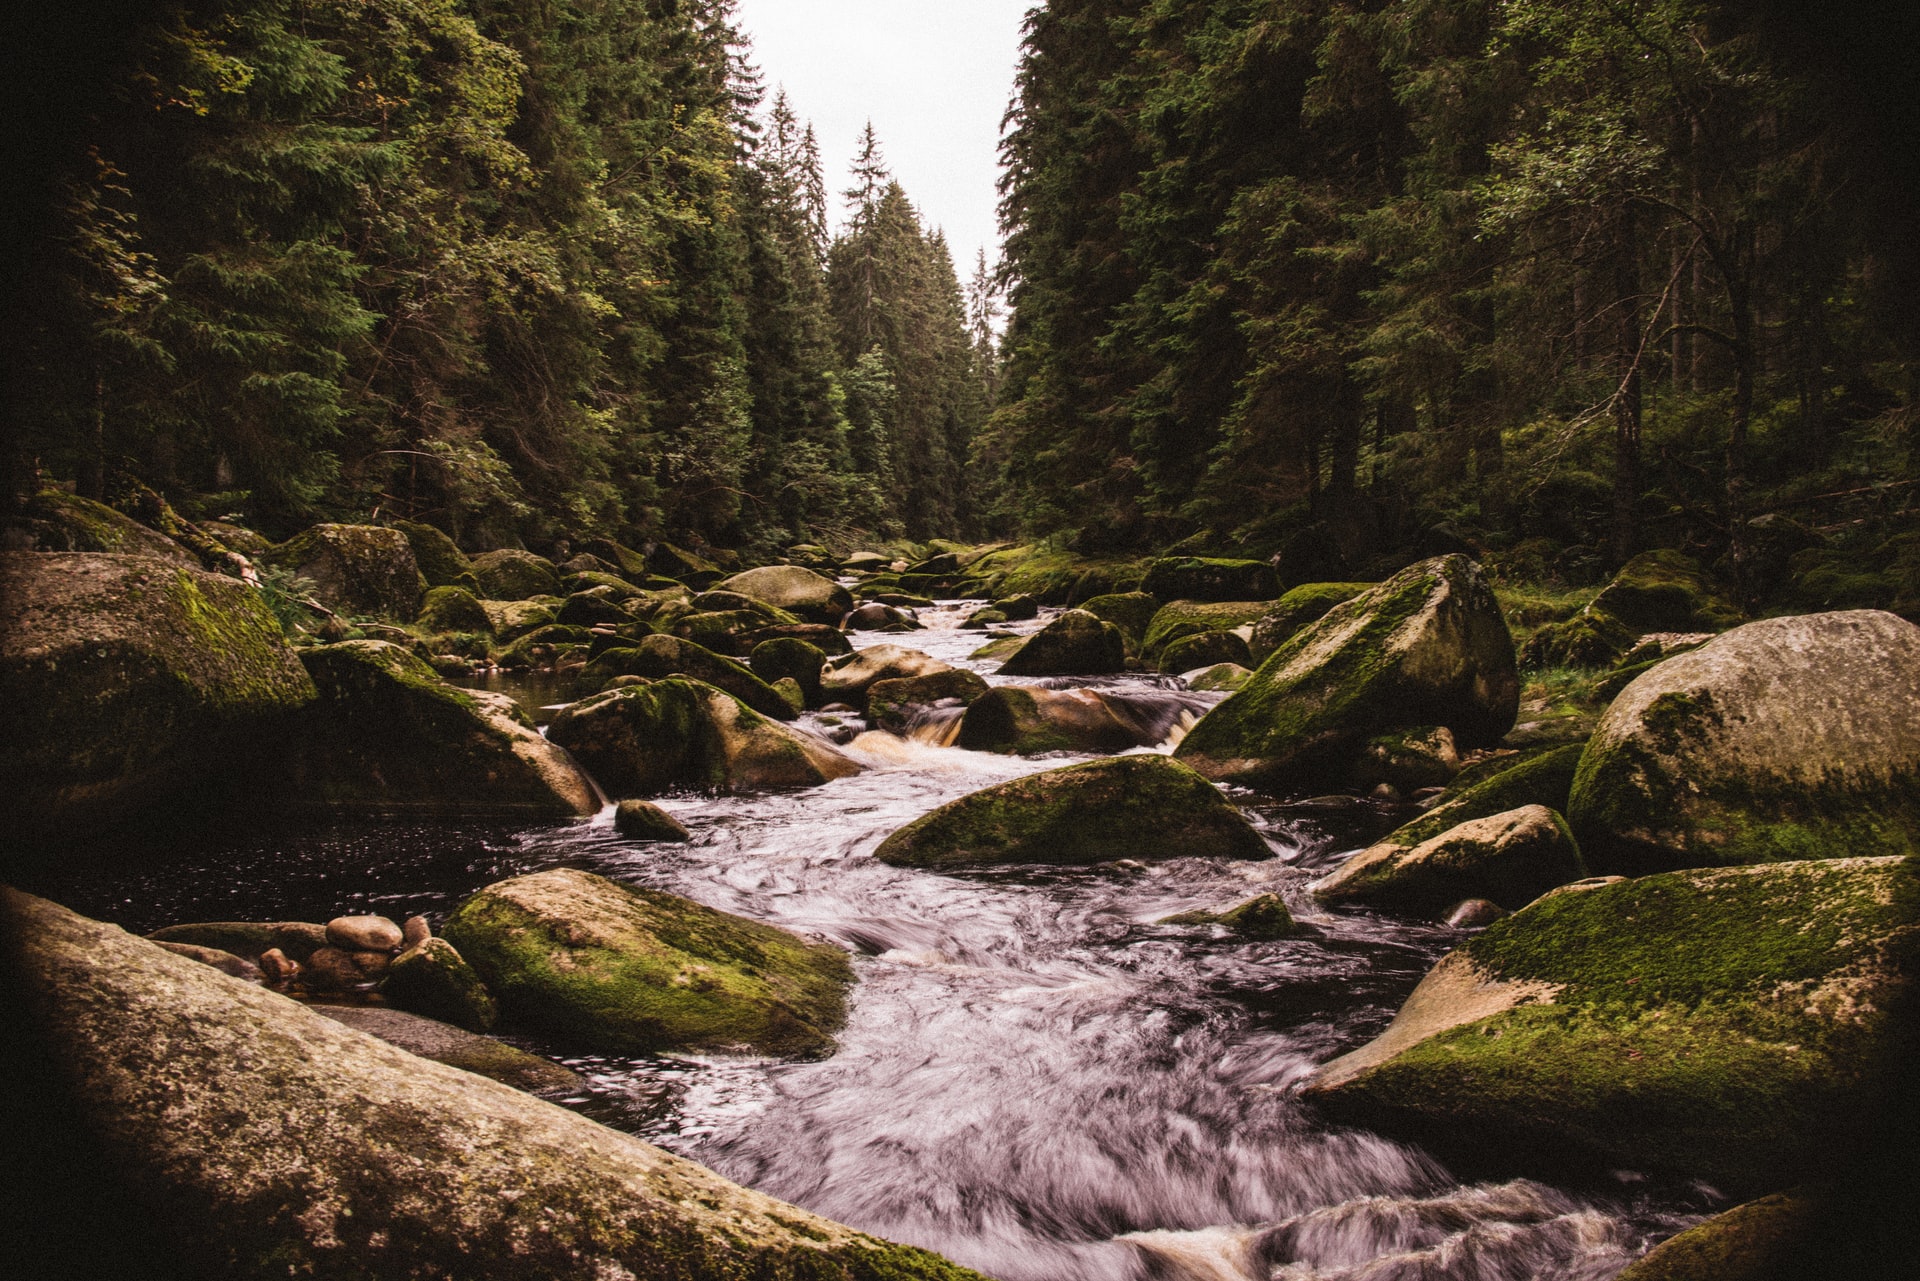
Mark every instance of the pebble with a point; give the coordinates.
(416, 931)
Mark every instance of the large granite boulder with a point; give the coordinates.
(453, 609)
(658, 657)
(1509, 859)
(790, 658)
(1131, 612)
(1210, 578)
(1492, 787)
(898, 705)
(457, 1047)
(1140, 807)
(356, 569)
(848, 678)
(1177, 620)
(639, 971)
(1718, 1024)
(441, 562)
(271, 1140)
(1024, 720)
(1207, 649)
(1074, 644)
(511, 574)
(795, 589)
(55, 521)
(388, 736)
(1302, 605)
(127, 682)
(1666, 591)
(643, 740)
(1426, 647)
(1788, 738)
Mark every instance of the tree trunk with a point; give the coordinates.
(92, 480)
(1626, 400)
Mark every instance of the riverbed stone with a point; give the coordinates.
(593, 607)
(658, 657)
(440, 560)
(1220, 678)
(1495, 787)
(638, 971)
(250, 939)
(513, 619)
(1299, 607)
(1666, 591)
(388, 736)
(511, 574)
(453, 609)
(335, 969)
(226, 962)
(1426, 647)
(356, 569)
(848, 678)
(458, 1047)
(795, 589)
(1073, 644)
(273, 1140)
(689, 567)
(1141, 807)
(1025, 720)
(1258, 919)
(128, 682)
(365, 933)
(644, 821)
(1177, 620)
(432, 979)
(1205, 649)
(645, 740)
(1717, 1023)
(1208, 578)
(1754, 1241)
(55, 521)
(1131, 612)
(1408, 759)
(1475, 914)
(788, 657)
(1788, 738)
(896, 705)
(1510, 859)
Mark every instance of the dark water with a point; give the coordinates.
(1036, 1079)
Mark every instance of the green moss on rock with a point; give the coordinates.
(1207, 649)
(1204, 578)
(61, 522)
(453, 609)
(898, 705)
(356, 569)
(793, 590)
(1510, 859)
(1182, 618)
(1029, 721)
(1074, 644)
(658, 657)
(1666, 591)
(441, 562)
(1131, 612)
(434, 980)
(1301, 606)
(1591, 638)
(788, 657)
(1756, 1241)
(510, 574)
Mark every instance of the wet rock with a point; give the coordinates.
(1205, 649)
(1074, 644)
(1474, 914)
(876, 617)
(297, 939)
(1409, 759)
(281, 1141)
(1305, 604)
(628, 563)
(1203, 578)
(1026, 721)
(332, 969)
(431, 978)
(1180, 619)
(515, 575)
(648, 739)
(864, 563)
(1666, 591)
(1511, 858)
(1019, 607)
(415, 931)
(1221, 676)
(365, 933)
(635, 971)
(1718, 1024)
(279, 968)
(1788, 738)
(356, 569)
(453, 609)
(225, 962)
(128, 682)
(1260, 919)
(388, 736)
(794, 589)
(848, 679)
(788, 658)
(658, 657)
(591, 608)
(645, 821)
(544, 646)
(1131, 612)
(1495, 787)
(458, 1047)
(732, 632)
(440, 561)
(1758, 1241)
(1147, 807)
(897, 705)
(828, 640)
(1426, 647)
(984, 618)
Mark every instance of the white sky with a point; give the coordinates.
(934, 76)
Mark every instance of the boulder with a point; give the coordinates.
(453, 609)
(1025, 720)
(1020, 607)
(1074, 644)
(56, 521)
(1474, 914)
(718, 602)
(513, 619)
(658, 657)
(1182, 618)
(644, 740)
(1510, 859)
(432, 978)
(726, 632)
(593, 607)
(1131, 612)
(1259, 919)
(1426, 647)
(1307, 603)
(128, 682)
(1506, 783)
(388, 736)
(828, 640)
(508, 574)
(250, 939)
(638, 971)
(618, 589)
(1141, 807)
(788, 657)
(1788, 738)
(458, 1047)
(981, 619)
(543, 646)
(1408, 759)
(897, 705)
(677, 563)
(847, 679)
(334, 969)
(795, 589)
(440, 561)
(271, 1140)
(628, 563)
(1206, 578)
(365, 933)
(1205, 649)
(225, 962)
(876, 617)
(1220, 678)
(356, 569)
(1591, 638)
(1666, 591)
(1717, 1024)
(644, 821)
(1757, 1241)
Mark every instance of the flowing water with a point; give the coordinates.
(1035, 1079)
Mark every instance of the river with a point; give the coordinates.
(1035, 1079)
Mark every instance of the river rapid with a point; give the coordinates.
(1035, 1079)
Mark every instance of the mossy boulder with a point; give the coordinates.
(1207, 578)
(453, 609)
(830, 641)
(1220, 678)
(847, 679)
(1141, 807)
(271, 1140)
(593, 607)
(644, 821)
(128, 682)
(1717, 1024)
(455, 1046)
(543, 647)
(1510, 859)
(1425, 756)
(1666, 591)
(1131, 612)
(1757, 1241)
(627, 562)
(509, 574)
(1205, 649)
(898, 705)
(795, 589)
(1789, 738)
(684, 566)
(1180, 619)
(513, 619)
(658, 657)
(1591, 638)
(639, 971)
(788, 657)
(1426, 647)
(731, 632)
(1495, 786)
(1024, 720)
(679, 733)
(1302, 605)
(1259, 919)
(440, 560)
(434, 980)
(356, 569)
(388, 736)
(1074, 644)
(55, 521)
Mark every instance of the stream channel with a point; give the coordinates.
(1035, 1079)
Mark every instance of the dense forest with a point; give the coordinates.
(1337, 282)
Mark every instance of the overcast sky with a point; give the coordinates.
(933, 75)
